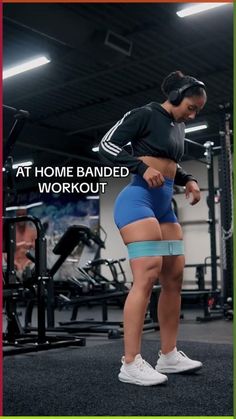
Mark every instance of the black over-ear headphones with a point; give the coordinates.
(176, 96)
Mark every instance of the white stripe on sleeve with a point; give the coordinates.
(108, 146)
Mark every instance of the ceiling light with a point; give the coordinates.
(196, 128)
(28, 65)
(36, 204)
(198, 8)
(19, 207)
(23, 164)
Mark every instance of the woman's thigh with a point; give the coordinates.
(172, 266)
(141, 230)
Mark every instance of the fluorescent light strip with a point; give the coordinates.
(196, 128)
(36, 204)
(21, 68)
(198, 8)
(14, 208)
(23, 164)
(18, 207)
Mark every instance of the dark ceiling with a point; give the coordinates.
(89, 85)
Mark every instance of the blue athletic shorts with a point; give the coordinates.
(138, 201)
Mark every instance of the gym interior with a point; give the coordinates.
(66, 272)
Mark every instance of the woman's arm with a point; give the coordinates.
(182, 177)
(131, 127)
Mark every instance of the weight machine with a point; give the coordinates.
(15, 339)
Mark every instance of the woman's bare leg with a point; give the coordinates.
(145, 274)
(170, 278)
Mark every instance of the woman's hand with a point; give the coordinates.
(193, 189)
(153, 177)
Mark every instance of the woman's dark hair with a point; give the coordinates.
(176, 80)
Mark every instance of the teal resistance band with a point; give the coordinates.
(155, 248)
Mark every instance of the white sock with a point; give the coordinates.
(130, 364)
(170, 354)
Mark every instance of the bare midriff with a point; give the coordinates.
(167, 167)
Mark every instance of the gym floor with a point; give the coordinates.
(86, 377)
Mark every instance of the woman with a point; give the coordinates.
(147, 223)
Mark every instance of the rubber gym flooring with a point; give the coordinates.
(83, 381)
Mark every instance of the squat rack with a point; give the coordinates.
(226, 203)
(208, 148)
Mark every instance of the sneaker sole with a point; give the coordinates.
(139, 383)
(187, 371)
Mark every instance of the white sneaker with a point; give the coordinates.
(176, 362)
(140, 372)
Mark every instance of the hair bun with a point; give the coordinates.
(179, 74)
(172, 82)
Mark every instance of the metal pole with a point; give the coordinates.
(187, 140)
(226, 203)
(209, 154)
(20, 117)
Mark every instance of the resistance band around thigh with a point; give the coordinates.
(155, 248)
